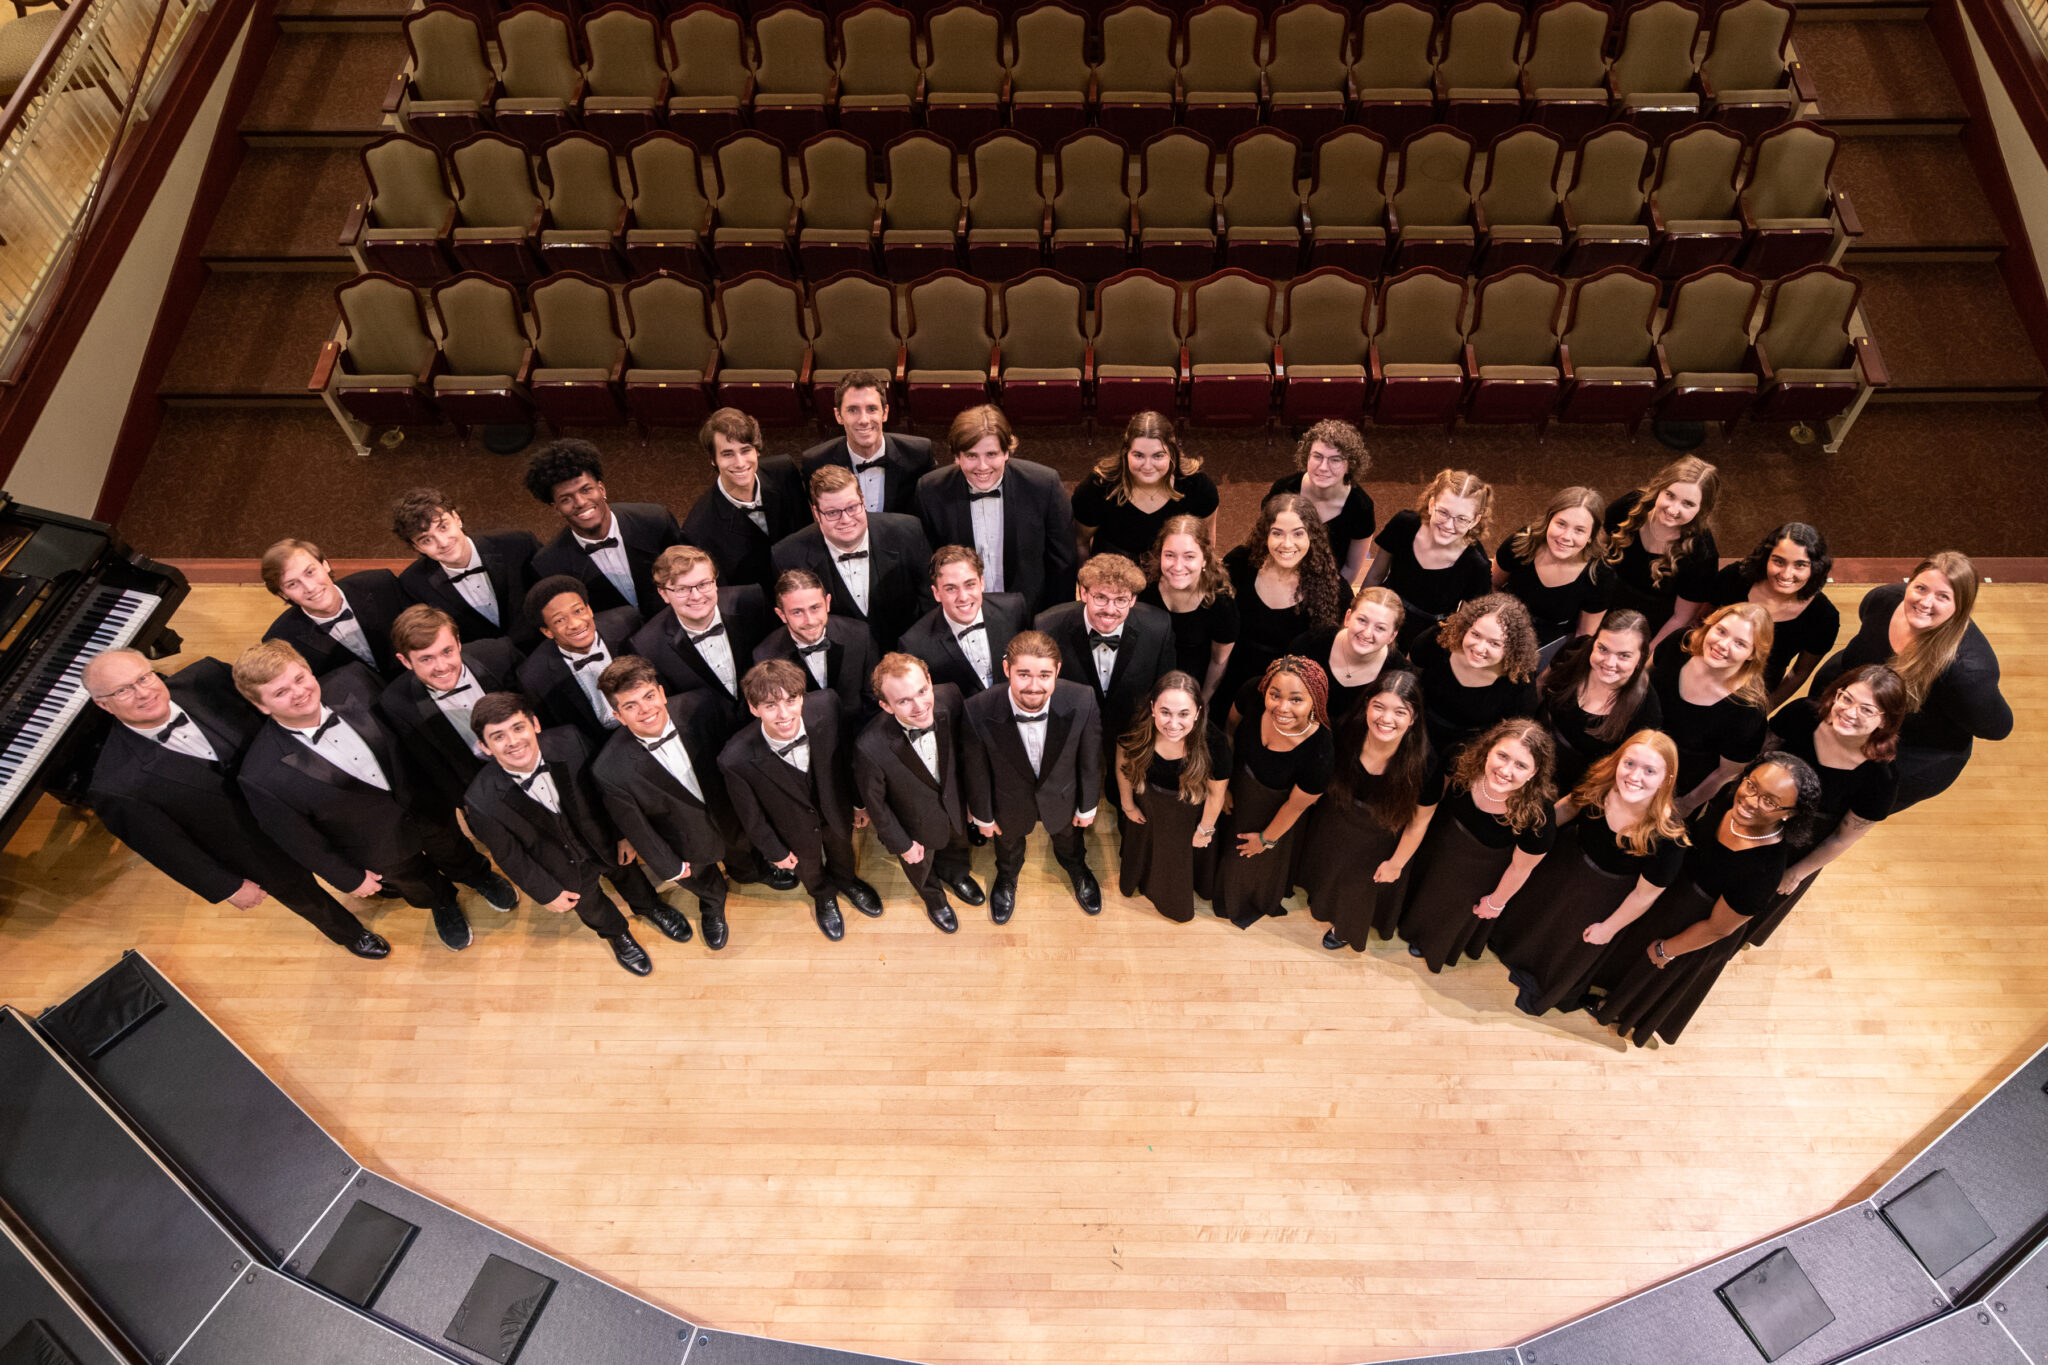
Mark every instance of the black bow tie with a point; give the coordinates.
(466, 573)
(591, 547)
(852, 554)
(453, 691)
(785, 750)
(817, 648)
(652, 744)
(163, 736)
(575, 664)
(965, 631)
(1023, 719)
(863, 466)
(995, 492)
(347, 614)
(324, 726)
(526, 782)
(915, 733)
(698, 638)
(1108, 642)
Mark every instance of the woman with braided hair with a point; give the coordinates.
(1660, 544)
(1282, 756)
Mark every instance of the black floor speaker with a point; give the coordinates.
(731, 1348)
(40, 1322)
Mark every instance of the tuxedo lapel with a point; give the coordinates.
(1009, 735)
(906, 754)
(436, 728)
(1057, 724)
(778, 771)
(302, 759)
(377, 738)
(162, 764)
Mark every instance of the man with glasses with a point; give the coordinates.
(707, 637)
(1109, 644)
(165, 785)
(873, 564)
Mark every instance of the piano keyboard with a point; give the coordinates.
(50, 697)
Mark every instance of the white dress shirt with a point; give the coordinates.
(456, 704)
(611, 561)
(874, 483)
(1105, 657)
(669, 752)
(186, 738)
(973, 641)
(819, 651)
(715, 650)
(987, 516)
(539, 784)
(797, 757)
(1031, 729)
(340, 745)
(349, 632)
(854, 572)
(755, 512)
(586, 676)
(927, 747)
(475, 586)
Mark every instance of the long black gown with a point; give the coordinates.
(1355, 522)
(1455, 713)
(1578, 748)
(1343, 846)
(1555, 611)
(1263, 632)
(1866, 790)
(1195, 631)
(1159, 860)
(1704, 735)
(1460, 860)
(1249, 889)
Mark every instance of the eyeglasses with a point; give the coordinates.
(1853, 708)
(128, 691)
(1755, 796)
(1451, 521)
(1318, 457)
(1123, 603)
(694, 589)
(842, 513)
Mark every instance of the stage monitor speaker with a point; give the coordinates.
(272, 1319)
(224, 1125)
(2019, 1302)
(40, 1322)
(731, 1348)
(1865, 1286)
(151, 1258)
(1968, 1336)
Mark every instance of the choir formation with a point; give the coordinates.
(1580, 751)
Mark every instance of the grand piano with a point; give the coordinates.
(68, 589)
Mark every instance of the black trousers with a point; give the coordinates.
(297, 891)
(421, 880)
(824, 863)
(938, 866)
(596, 909)
(451, 850)
(1069, 849)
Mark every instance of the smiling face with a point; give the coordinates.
(293, 697)
(862, 413)
(1485, 643)
(443, 541)
(737, 462)
(582, 503)
(983, 463)
(128, 689)
(568, 620)
(1106, 607)
(694, 596)
(1326, 469)
(1569, 532)
(1676, 506)
(1370, 627)
(842, 517)
(643, 709)
(1639, 773)
(805, 612)
(1288, 704)
(1509, 765)
(1615, 656)
(1387, 717)
(439, 665)
(1450, 518)
(1173, 714)
(780, 716)
(908, 696)
(1287, 541)
(958, 588)
(1789, 568)
(1855, 713)
(1930, 600)
(1764, 797)
(308, 584)
(1729, 643)
(1149, 461)
(1180, 562)
(1031, 678)
(515, 743)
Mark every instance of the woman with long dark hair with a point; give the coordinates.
(1187, 582)
(1282, 756)
(1285, 583)
(1786, 575)
(1129, 495)
(1383, 760)
(1479, 669)
(1432, 555)
(1710, 687)
(1172, 771)
(1660, 544)
(1557, 566)
(1356, 652)
(1597, 693)
(1331, 461)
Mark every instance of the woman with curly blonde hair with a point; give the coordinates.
(1130, 494)
(1285, 583)
(1185, 579)
(1330, 462)
(1710, 688)
(1660, 544)
(1477, 669)
(1432, 555)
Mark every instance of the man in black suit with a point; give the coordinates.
(1110, 644)
(429, 707)
(1014, 512)
(874, 565)
(906, 766)
(707, 636)
(330, 783)
(1031, 753)
(165, 786)
(836, 653)
(333, 622)
(481, 581)
(537, 808)
(610, 546)
(753, 502)
(576, 647)
(791, 782)
(963, 640)
(886, 464)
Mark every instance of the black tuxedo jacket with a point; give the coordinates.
(1039, 556)
(331, 823)
(899, 574)
(1145, 654)
(903, 800)
(909, 459)
(663, 642)
(774, 801)
(547, 679)
(741, 549)
(997, 770)
(655, 813)
(545, 853)
(645, 530)
(850, 659)
(446, 761)
(1003, 614)
(376, 597)
(183, 814)
(507, 558)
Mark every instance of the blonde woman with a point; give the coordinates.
(1710, 689)
(1557, 566)
(1432, 555)
(1660, 544)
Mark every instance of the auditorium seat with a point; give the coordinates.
(1228, 354)
(671, 359)
(1478, 78)
(1176, 205)
(1417, 350)
(498, 212)
(1564, 78)
(1606, 354)
(1007, 215)
(1746, 79)
(1693, 207)
(1703, 352)
(853, 327)
(1511, 357)
(1136, 345)
(1051, 86)
(841, 220)
(1222, 86)
(1811, 369)
(764, 355)
(1429, 215)
(540, 83)
(1091, 206)
(1651, 79)
(1043, 352)
(967, 90)
(794, 85)
(922, 216)
(1308, 76)
(485, 352)
(382, 370)
(757, 217)
(586, 212)
(579, 352)
(670, 227)
(1137, 93)
(949, 346)
(1261, 203)
(711, 91)
(1791, 209)
(881, 86)
(1346, 207)
(448, 87)
(1394, 72)
(1605, 222)
(1324, 347)
(404, 225)
(1516, 210)
(626, 87)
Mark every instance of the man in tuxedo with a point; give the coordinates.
(963, 639)
(707, 636)
(886, 464)
(836, 653)
(537, 808)
(753, 502)
(333, 622)
(874, 565)
(481, 581)
(1031, 753)
(329, 782)
(577, 645)
(165, 786)
(791, 782)
(906, 766)
(1109, 644)
(1016, 514)
(429, 707)
(610, 546)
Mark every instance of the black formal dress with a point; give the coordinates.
(740, 546)
(678, 654)
(506, 558)
(671, 826)
(1197, 631)
(1261, 780)
(564, 685)
(446, 758)
(1343, 846)
(1039, 555)
(1319, 645)
(1159, 860)
(935, 640)
(1962, 706)
(1461, 859)
(1004, 788)
(1264, 632)
(1456, 714)
(1427, 595)
(1635, 572)
(847, 655)
(1122, 529)
(899, 565)
(911, 799)
(903, 461)
(1572, 726)
(1555, 612)
(187, 816)
(1354, 523)
(1813, 631)
(806, 809)
(1143, 654)
(645, 529)
(1704, 735)
(374, 600)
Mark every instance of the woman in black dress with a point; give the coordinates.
(1432, 556)
(1121, 505)
(1188, 584)
(1283, 755)
(1475, 839)
(1620, 845)
(1710, 687)
(1285, 584)
(1331, 464)
(1355, 653)
(1923, 632)
(1557, 566)
(1848, 734)
(1382, 762)
(1660, 544)
(1171, 775)
(1477, 670)
(1664, 965)
(1597, 692)
(1786, 575)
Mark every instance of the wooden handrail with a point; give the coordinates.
(39, 69)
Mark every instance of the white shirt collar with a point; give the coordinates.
(610, 532)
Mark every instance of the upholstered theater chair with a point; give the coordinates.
(485, 351)
(1607, 353)
(1417, 355)
(1794, 214)
(1605, 221)
(1324, 353)
(1222, 87)
(671, 358)
(1091, 206)
(1135, 347)
(498, 212)
(764, 354)
(1176, 205)
(1564, 77)
(967, 88)
(381, 371)
(757, 217)
(1511, 360)
(1008, 218)
(1261, 203)
(447, 90)
(794, 84)
(1051, 85)
(853, 327)
(1748, 81)
(626, 86)
(1517, 210)
(1308, 75)
(1652, 79)
(1478, 78)
(1812, 369)
(1346, 208)
(586, 212)
(1042, 376)
(1394, 75)
(881, 86)
(1704, 354)
(404, 225)
(579, 352)
(1429, 215)
(841, 219)
(949, 346)
(1137, 90)
(1228, 356)
(541, 84)
(711, 91)
(1693, 207)
(923, 218)
(669, 227)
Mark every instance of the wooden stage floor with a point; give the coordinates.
(1114, 1139)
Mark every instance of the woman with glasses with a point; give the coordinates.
(1664, 965)
(1172, 771)
(1188, 582)
(1556, 565)
(1331, 463)
(1383, 761)
(1431, 556)
(1785, 575)
(1477, 670)
(1710, 687)
(1283, 755)
(1355, 652)
(1597, 692)
(1660, 544)
(1285, 584)
(1125, 500)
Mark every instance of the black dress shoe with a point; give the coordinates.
(975, 838)
(942, 915)
(780, 879)
(1087, 892)
(1002, 900)
(670, 923)
(864, 897)
(630, 954)
(388, 893)
(966, 888)
(497, 892)
(452, 925)
(715, 932)
(829, 922)
(1331, 941)
(369, 945)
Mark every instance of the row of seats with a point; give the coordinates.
(1710, 199)
(1484, 66)
(1521, 346)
